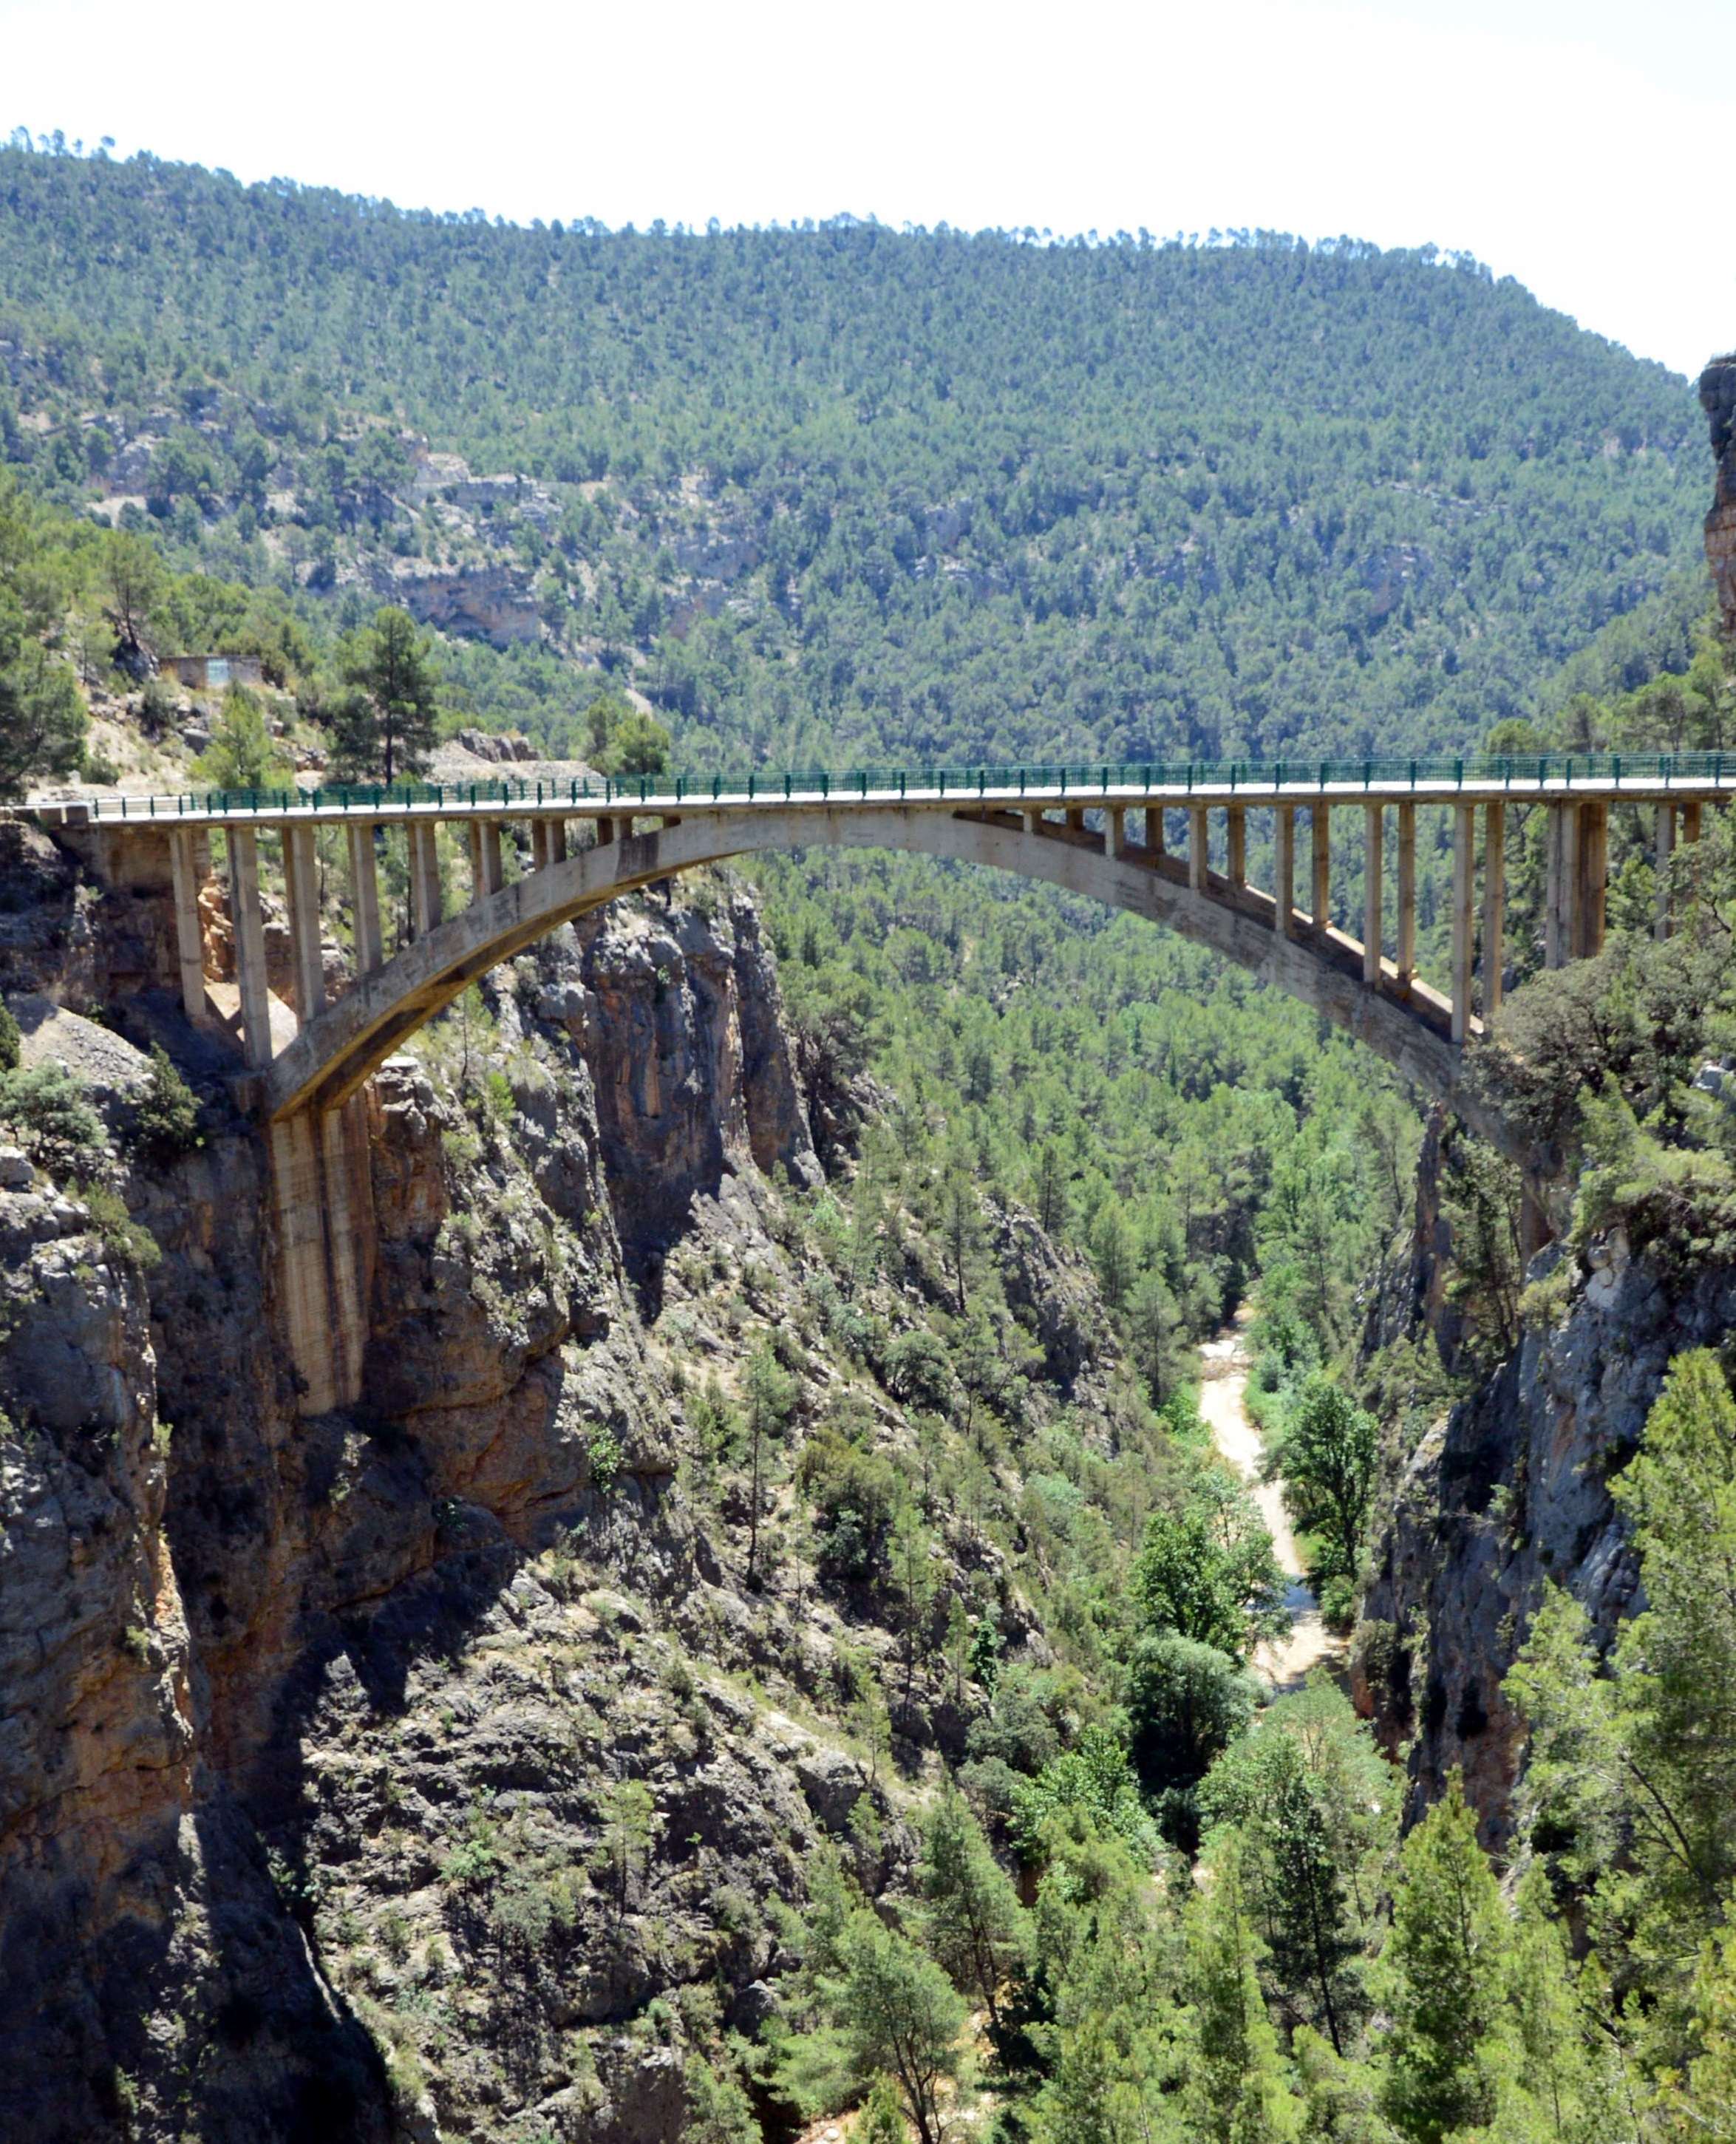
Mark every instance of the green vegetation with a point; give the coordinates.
(1322, 1980)
(1326, 1456)
(1160, 1111)
(242, 754)
(47, 1105)
(41, 716)
(165, 1117)
(383, 724)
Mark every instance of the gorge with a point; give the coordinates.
(764, 1616)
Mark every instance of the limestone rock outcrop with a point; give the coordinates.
(676, 1012)
(1505, 1495)
(1718, 399)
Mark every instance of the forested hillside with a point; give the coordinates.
(836, 492)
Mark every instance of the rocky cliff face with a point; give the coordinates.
(1718, 399)
(428, 1769)
(1506, 1494)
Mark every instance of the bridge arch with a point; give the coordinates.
(337, 1049)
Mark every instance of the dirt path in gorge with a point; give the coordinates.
(1224, 1379)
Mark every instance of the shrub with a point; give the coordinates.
(243, 754)
(165, 1117)
(47, 1102)
(854, 1494)
(472, 1863)
(1018, 1730)
(719, 2111)
(1093, 1780)
(919, 1370)
(157, 708)
(9, 1041)
(123, 1236)
(602, 1447)
(1187, 1702)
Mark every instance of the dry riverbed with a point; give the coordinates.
(1283, 1661)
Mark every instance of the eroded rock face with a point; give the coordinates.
(126, 1871)
(677, 1014)
(263, 1678)
(1509, 1493)
(1718, 399)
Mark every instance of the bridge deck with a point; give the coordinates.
(1551, 778)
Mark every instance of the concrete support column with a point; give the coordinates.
(557, 840)
(1238, 818)
(1464, 832)
(1114, 839)
(1665, 849)
(1562, 845)
(1405, 920)
(486, 876)
(249, 928)
(1593, 858)
(605, 832)
(323, 1209)
(301, 882)
(1075, 818)
(1198, 851)
(1320, 827)
(424, 876)
(365, 899)
(1153, 829)
(1033, 820)
(1283, 870)
(539, 845)
(1691, 819)
(1374, 823)
(1495, 902)
(189, 941)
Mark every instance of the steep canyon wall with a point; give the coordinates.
(314, 1731)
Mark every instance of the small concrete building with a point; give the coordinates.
(211, 673)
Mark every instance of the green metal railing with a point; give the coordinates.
(662, 791)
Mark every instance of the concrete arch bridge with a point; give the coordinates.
(1166, 842)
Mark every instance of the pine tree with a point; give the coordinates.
(878, 2121)
(1442, 1965)
(974, 1925)
(899, 2015)
(1700, 2108)
(1312, 1939)
(389, 730)
(1238, 2092)
(1634, 1766)
(1561, 2077)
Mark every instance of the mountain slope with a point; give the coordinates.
(847, 491)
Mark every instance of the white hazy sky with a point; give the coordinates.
(1584, 146)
